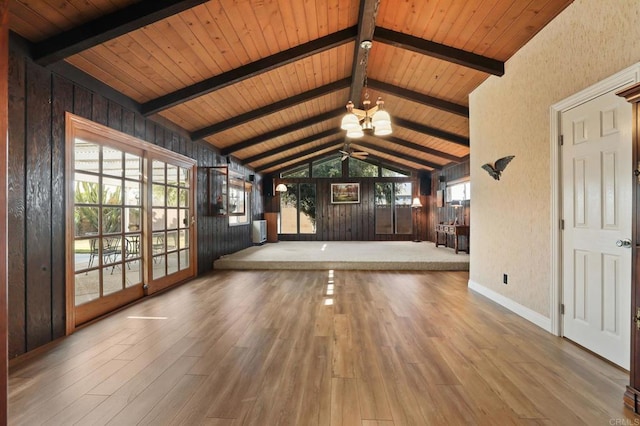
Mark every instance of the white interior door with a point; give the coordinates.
(597, 179)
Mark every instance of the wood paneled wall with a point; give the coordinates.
(4, 118)
(446, 214)
(345, 222)
(38, 99)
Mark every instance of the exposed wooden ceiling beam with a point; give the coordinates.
(249, 70)
(270, 109)
(334, 143)
(106, 28)
(281, 131)
(291, 145)
(427, 130)
(420, 98)
(369, 146)
(421, 148)
(366, 27)
(440, 51)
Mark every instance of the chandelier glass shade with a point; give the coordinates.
(358, 121)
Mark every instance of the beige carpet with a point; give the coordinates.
(373, 255)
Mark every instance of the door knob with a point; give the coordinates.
(624, 243)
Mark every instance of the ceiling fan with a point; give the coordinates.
(347, 152)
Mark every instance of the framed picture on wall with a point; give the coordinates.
(345, 193)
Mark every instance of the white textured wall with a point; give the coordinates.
(511, 225)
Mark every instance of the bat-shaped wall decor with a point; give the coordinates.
(496, 170)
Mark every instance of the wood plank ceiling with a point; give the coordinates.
(266, 81)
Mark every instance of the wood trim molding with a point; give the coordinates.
(631, 399)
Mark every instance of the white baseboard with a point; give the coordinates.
(526, 313)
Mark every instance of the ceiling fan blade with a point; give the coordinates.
(344, 157)
(343, 152)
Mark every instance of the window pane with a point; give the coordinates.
(132, 193)
(132, 249)
(111, 191)
(111, 220)
(172, 174)
(184, 198)
(112, 280)
(288, 210)
(307, 213)
(384, 193)
(298, 172)
(133, 167)
(86, 189)
(158, 220)
(384, 209)
(184, 239)
(86, 156)
(172, 196)
(158, 195)
(111, 161)
(394, 173)
(184, 177)
(87, 286)
(132, 218)
(172, 240)
(157, 172)
(159, 266)
(133, 273)
(158, 243)
(404, 224)
(172, 263)
(82, 252)
(384, 220)
(183, 220)
(331, 167)
(184, 259)
(359, 168)
(86, 221)
(172, 218)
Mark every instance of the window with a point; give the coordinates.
(235, 193)
(393, 208)
(297, 172)
(327, 168)
(359, 168)
(459, 190)
(298, 209)
(394, 173)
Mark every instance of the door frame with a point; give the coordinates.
(74, 125)
(620, 80)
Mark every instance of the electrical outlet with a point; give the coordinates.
(505, 279)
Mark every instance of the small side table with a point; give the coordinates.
(456, 231)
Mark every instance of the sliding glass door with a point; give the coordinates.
(129, 219)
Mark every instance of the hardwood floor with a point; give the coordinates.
(316, 347)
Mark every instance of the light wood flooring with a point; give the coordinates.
(316, 348)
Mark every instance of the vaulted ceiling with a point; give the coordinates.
(266, 81)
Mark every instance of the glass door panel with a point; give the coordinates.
(171, 221)
(107, 204)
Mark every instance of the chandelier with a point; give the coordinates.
(372, 120)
